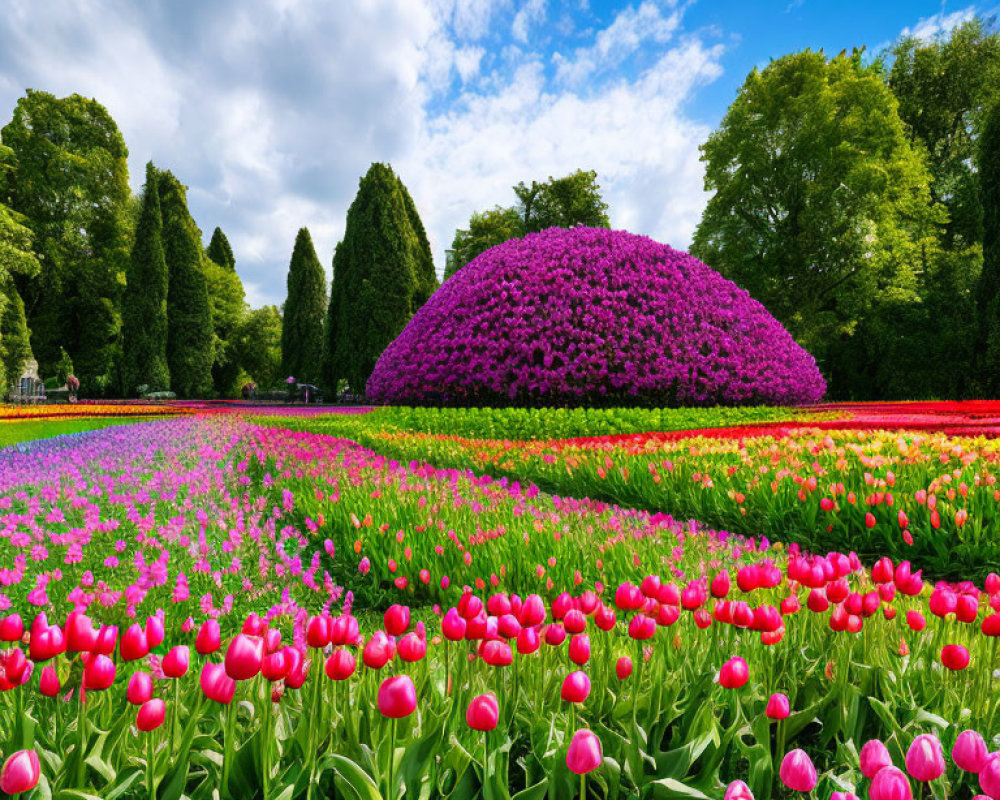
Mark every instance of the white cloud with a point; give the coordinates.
(270, 111)
(940, 23)
(630, 30)
(531, 13)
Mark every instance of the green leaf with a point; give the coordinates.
(669, 789)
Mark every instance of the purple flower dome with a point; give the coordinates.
(589, 315)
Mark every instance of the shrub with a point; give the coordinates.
(587, 316)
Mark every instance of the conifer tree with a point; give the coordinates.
(144, 310)
(190, 340)
(378, 279)
(305, 312)
(988, 294)
(220, 252)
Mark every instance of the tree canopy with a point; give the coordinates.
(574, 199)
(305, 313)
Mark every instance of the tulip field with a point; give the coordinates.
(231, 602)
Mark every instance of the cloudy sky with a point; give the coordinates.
(271, 110)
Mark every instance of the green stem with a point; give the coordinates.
(227, 747)
(583, 786)
(81, 724)
(392, 755)
(150, 786)
(266, 744)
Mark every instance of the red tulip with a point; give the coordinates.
(208, 640)
(777, 707)
(20, 772)
(584, 754)
(150, 715)
(140, 688)
(890, 784)
(11, 628)
(532, 611)
(244, 657)
(734, 673)
(272, 640)
(411, 647)
(378, 651)
(216, 683)
(48, 682)
(955, 657)
(319, 631)
(528, 641)
(496, 653)
(80, 634)
(576, 687)
(397, 620)
(970, 753)
(397, 697)
(340, 665)
(98, 673)
(574, 621)
(642, 627)
(623, 668)
(797, 771)
(605, 618)
(107, 640)
(508, 626)
(175, 663)
(924, 759)
(275, 666)
(991, 625)
(483, 712)
(344, 630)
(253, 625)
(579, 649)
(134, 644)
(874, 757)
(916, 620)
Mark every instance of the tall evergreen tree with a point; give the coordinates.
(226, 297)
(426, 277)
(16, 258)
(988, 292)
(377, 280)
(69, 178)
(144, 311)
(305, 313)
(220, 252)
(190, 339)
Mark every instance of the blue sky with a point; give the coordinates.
(271, 110)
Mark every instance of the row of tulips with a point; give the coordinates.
(659, 690)
(927, 497)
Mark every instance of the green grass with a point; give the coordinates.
(15, 432)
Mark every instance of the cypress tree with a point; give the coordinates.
(190, 340)
(220, 252)
(379, 279)
(15, 348)
(988, 294)
(144, 311)
(426, 277)
(305, 310)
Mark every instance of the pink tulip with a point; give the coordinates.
(340, 665)
(397, 697)
(777, 707)
(585, 753)
(623, 668)
(797, 771)
(151, 715)
(20, 772)
(11, 628)
(579, 649)
(48, 682)
(890, 783)
(738, 790)
(734, 673)
(98, 673)
(483, 712)
(244, 657)
(175, 662)
(216, 684)
(924, 759)
(874, 757)
(969, 752)
(844, 796)
(989, 775)
(140, 688)
(576, 687)
(209, 637)
(397, 620)
(134, 643)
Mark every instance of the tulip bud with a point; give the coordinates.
(576, 687)
(151, 715)
(20, 772)
(777, 707)
(397, 697)
(623, 668)
(483, 712)
(175, 663)
(924, 759)
(584, 754)
(208, 639)
(734, 673)
(874, 757)
(970, 753)
(797, 771)
(890, 784)
(140, 688)
(48, 682)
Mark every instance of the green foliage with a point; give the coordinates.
(190, 337)
(305, 313)
(220, 252)
(988, 290)
(821, 211)
(945, 87)
(144, 311)
(64, 367)
(226, 297)
(68, 175)
(16, 258)
(378, 279)
(559, 202)
(427, 282)
(258, 346)
(486, 229)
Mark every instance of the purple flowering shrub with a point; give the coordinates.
(589, 315)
